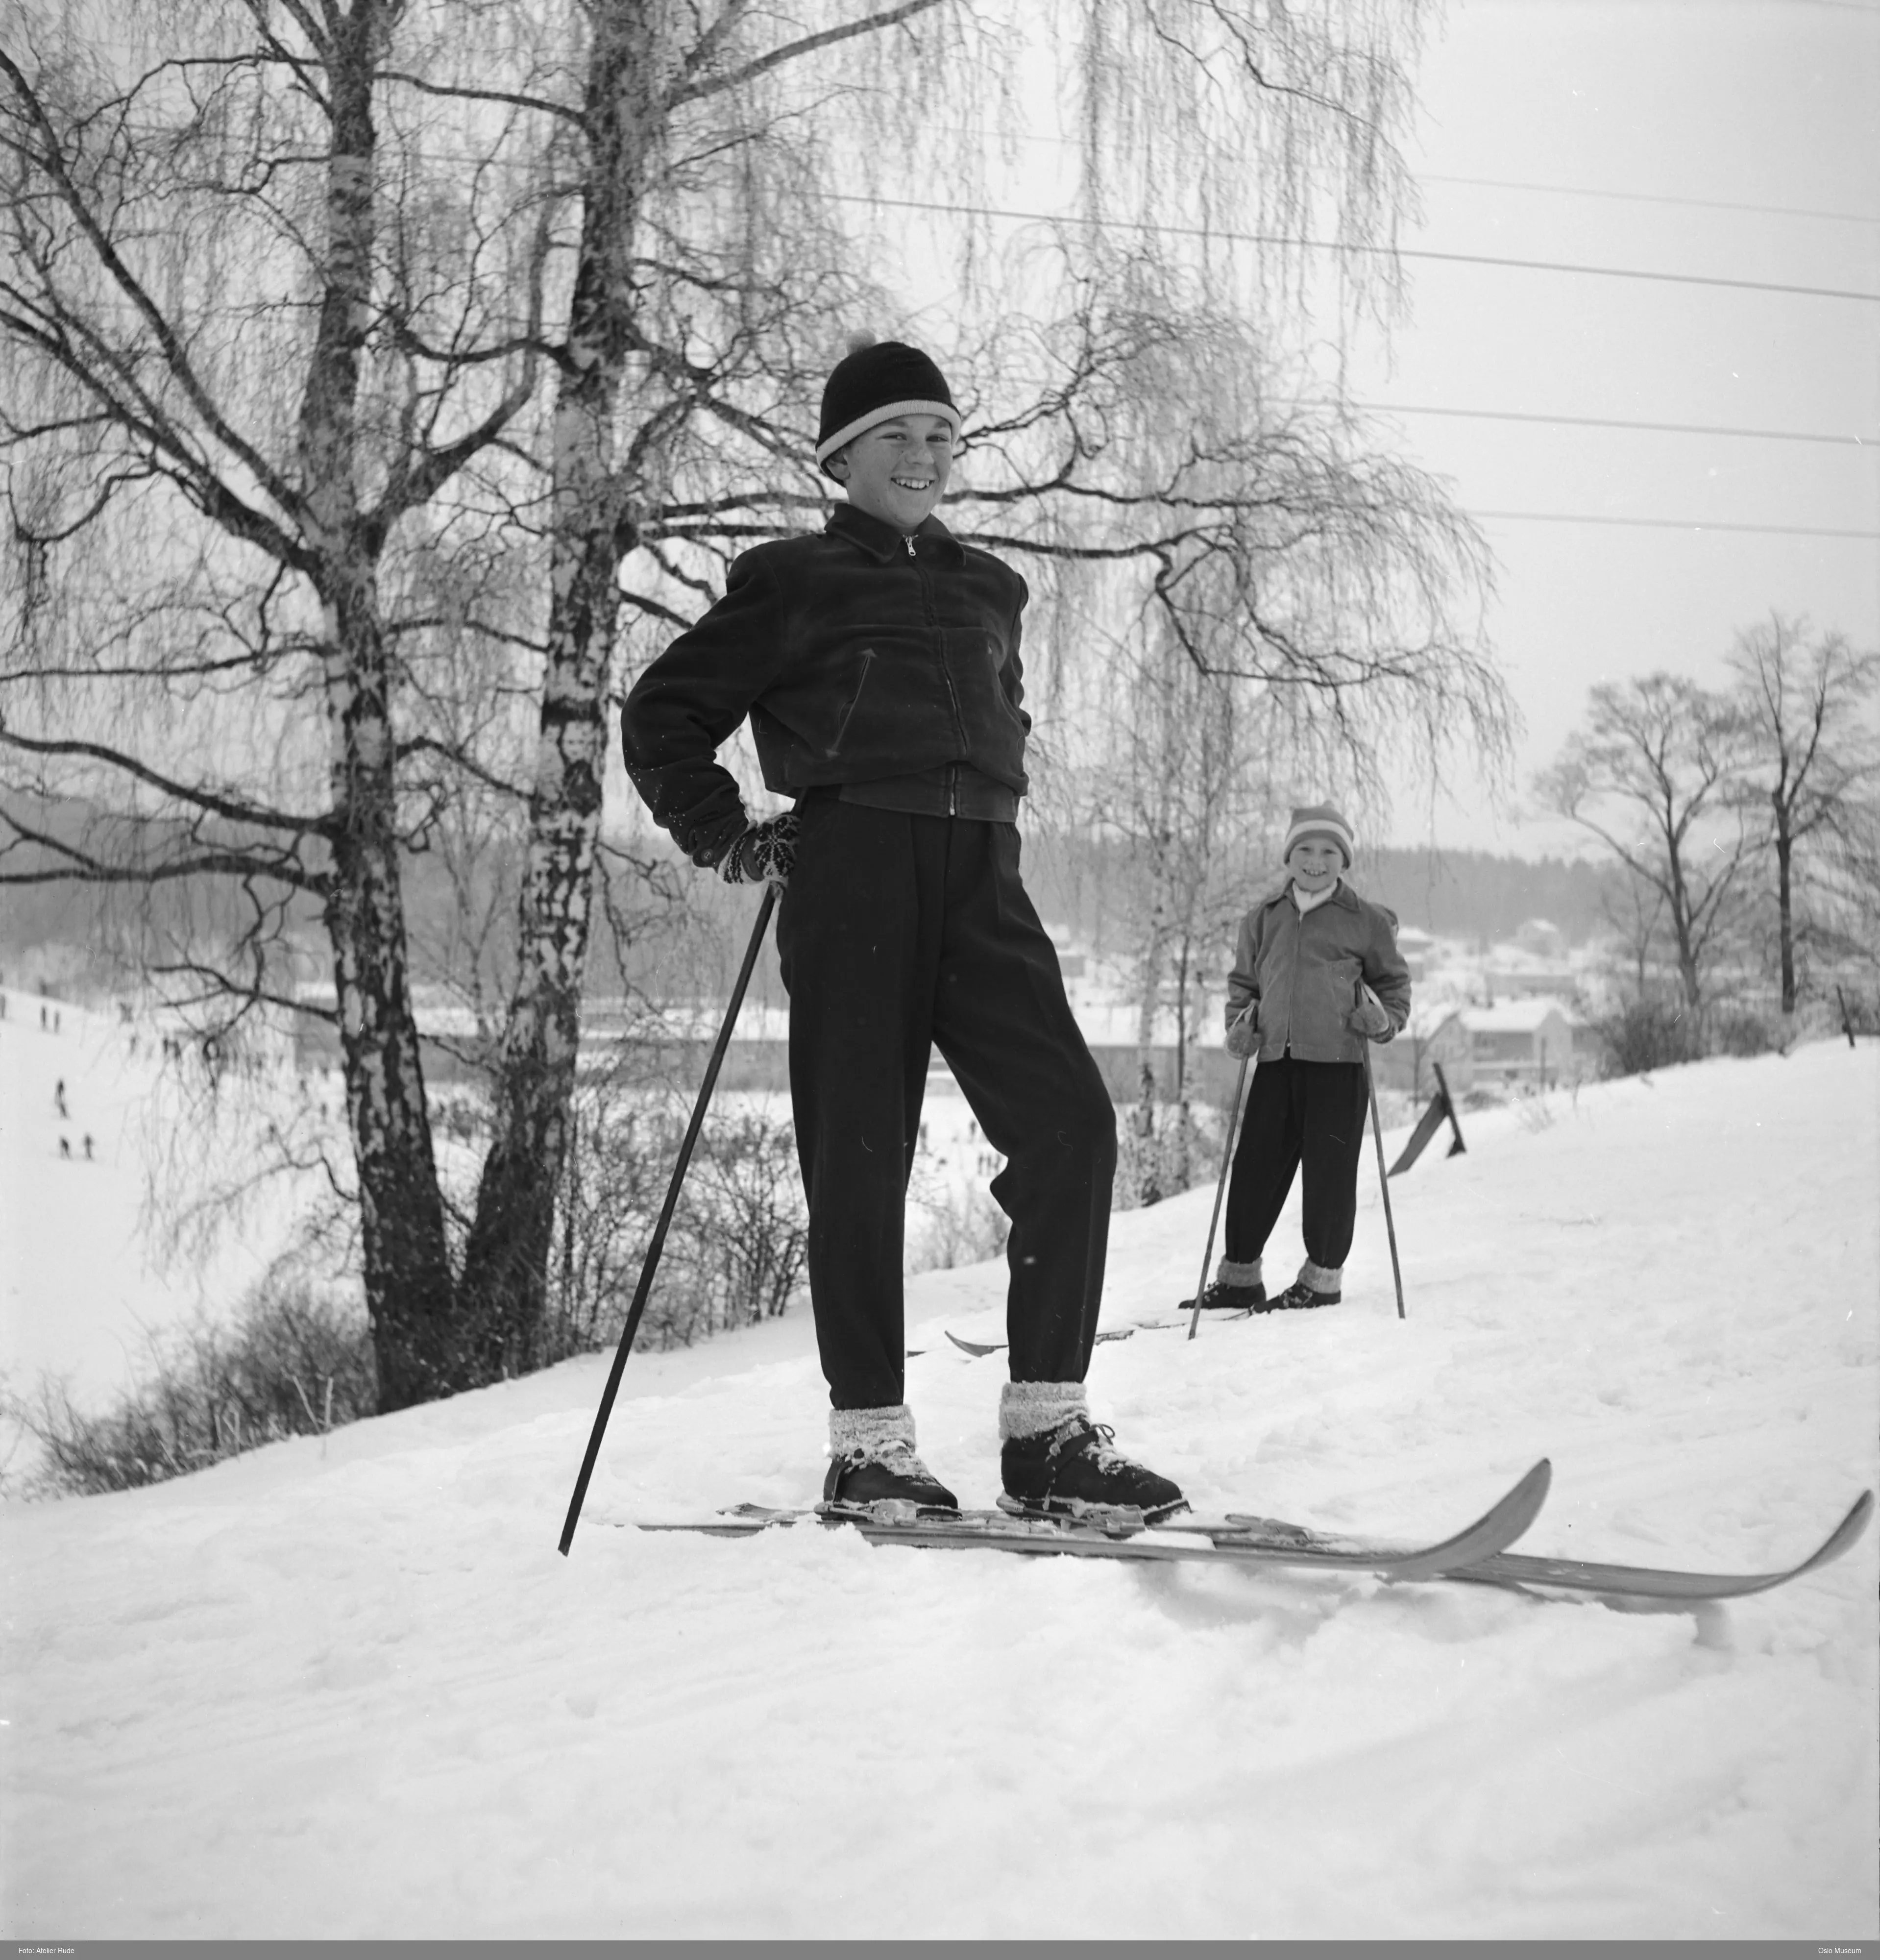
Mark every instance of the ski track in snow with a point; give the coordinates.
(345, 1687)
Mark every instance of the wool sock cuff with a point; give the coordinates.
(1035, 1408)
(1322, 1279)
(1238, 1272)
(870, 1433)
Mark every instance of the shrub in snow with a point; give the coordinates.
(1642, 1035)
(294, 1362)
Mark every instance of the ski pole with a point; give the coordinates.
(1383, 1179)
(658, 1242)
(1227, 1158)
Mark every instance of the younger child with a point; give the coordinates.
(878, 663)
(1316, 974)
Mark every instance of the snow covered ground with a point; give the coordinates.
(105, 1159)
(346, 1687)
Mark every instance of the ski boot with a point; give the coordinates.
(1219, 1296)
(873, 1470)
(1299, 1294)
(1075, 1471)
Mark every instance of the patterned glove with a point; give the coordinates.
(765, 851)
(1370, 1017)
(1243, 1035)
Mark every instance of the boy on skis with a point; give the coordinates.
(1316, 974)
(878, 662)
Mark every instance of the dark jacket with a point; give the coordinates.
(1303, 969)
(860, 655)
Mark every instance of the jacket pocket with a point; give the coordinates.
(855, 700)
(995, 662)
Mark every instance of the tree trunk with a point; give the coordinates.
(503, 1294)
(504, 1289)
(1181, 1169)
(1690, 978)
(1785, 915)
(408, 1288)
(1148, 1171)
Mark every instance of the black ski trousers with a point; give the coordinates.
(898, 934)
(1299, 1113)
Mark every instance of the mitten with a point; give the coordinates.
(1243, 1035)
(1370, 1017)
(765, 851)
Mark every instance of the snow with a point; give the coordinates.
(113, 1240)
(345, 1686)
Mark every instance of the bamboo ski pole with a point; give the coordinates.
(1227, 1158)
(658, 1245)
(1383, 1180)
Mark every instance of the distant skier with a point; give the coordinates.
(879, 664)
(1316, 974)
(58, 1096)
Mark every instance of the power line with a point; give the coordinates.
(1861, 442)
(1866, 444)
(875, 202)
(1649, 197)
(1048, 139)
(1374, 251)
(1670, 524)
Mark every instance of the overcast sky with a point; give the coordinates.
(1724, 140)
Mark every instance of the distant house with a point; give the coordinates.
(1542, 938)
(1416, 945)
(1529, 1041)
(1529, 980)
(1434, 1035)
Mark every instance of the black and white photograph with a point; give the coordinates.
(939, 972)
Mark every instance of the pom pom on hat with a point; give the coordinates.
(875, 380)
(1319, 819)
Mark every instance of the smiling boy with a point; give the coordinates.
(878, 664)
(1316, 973)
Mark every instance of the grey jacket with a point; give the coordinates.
(1303, 971)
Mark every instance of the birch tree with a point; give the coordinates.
(221, 296)
(354, 346)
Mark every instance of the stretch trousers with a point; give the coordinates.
(899, 935)
(1299, 1114)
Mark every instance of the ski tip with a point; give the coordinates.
(975, 1348)
(1522, 1506)
(1843, 1537)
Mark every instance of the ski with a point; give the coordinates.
(1232, 1541)
(1525, 1572)
(977, 1348)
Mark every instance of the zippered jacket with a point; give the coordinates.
(1302, 970)
(860, 655)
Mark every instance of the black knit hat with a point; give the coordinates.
(871, 383)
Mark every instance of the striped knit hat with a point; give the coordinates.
(1319, 819)
(874, 381)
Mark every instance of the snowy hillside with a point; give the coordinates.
(105, 1148)
(347, 1687)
